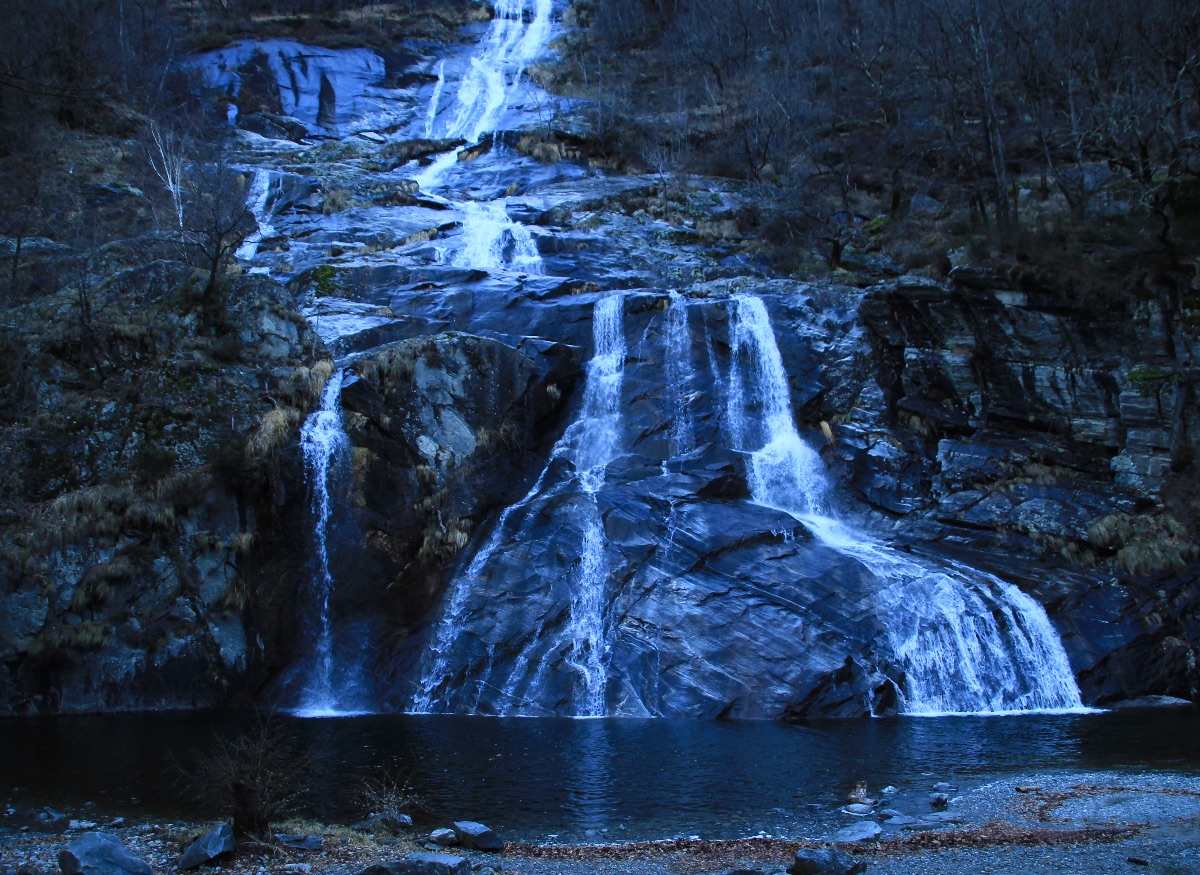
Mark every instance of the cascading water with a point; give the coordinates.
(431, 116)
(322, 440)
(595, 439)
(492, 241)
(497, 70)
(590, 443)
(257, 199)
(968, 643)
(680, 376)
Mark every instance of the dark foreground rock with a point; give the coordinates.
(98, 853)
(477, 837)
(213, 844)
(826, 861)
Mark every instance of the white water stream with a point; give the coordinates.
(590, 443)
(490, 239)
(968, 642)
(322, 440)
(257, 202)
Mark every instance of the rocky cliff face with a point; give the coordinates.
(145, 489)
(1053, 445)
(539, 510)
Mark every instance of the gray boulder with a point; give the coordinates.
(476, 836)
(213, 844)
(826, 861)
(99, 853)
(860, 832)
(443, 837)
(423, 863)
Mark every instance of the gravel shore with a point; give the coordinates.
(1081, 822)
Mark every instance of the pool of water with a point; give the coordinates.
(541, 779)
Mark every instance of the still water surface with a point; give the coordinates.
(623, 779)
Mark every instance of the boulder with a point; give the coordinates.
(476, 836)
(213, 844)
(826, 861)
(422, 863)
(99, 853)
(860, 832)
(443, 837)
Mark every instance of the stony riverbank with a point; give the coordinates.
(1094, 822)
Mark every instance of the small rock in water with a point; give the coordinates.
(98, 853)
(858, 809)
(476, 837)
(443, 837)
(213, 844)
(939, 800)
(943, 787)
(900, 820)
(860, 832)
(890, 812)
(889, 790)
(826, 861)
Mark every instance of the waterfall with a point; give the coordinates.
(680, 376)
(437, 96)
(494, 74)
(492, 241)
(322, 439)
(595, 439)
(256, 202)
(967, 641)
(497, 70)
(590, 444)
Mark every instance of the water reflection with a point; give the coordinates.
(635, 778)
(589, 775)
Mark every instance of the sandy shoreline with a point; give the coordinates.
(1085, 822)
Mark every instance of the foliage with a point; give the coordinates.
(256, 775)
(389, 800)
(951, 116)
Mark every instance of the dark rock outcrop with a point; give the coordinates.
(144, 498)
